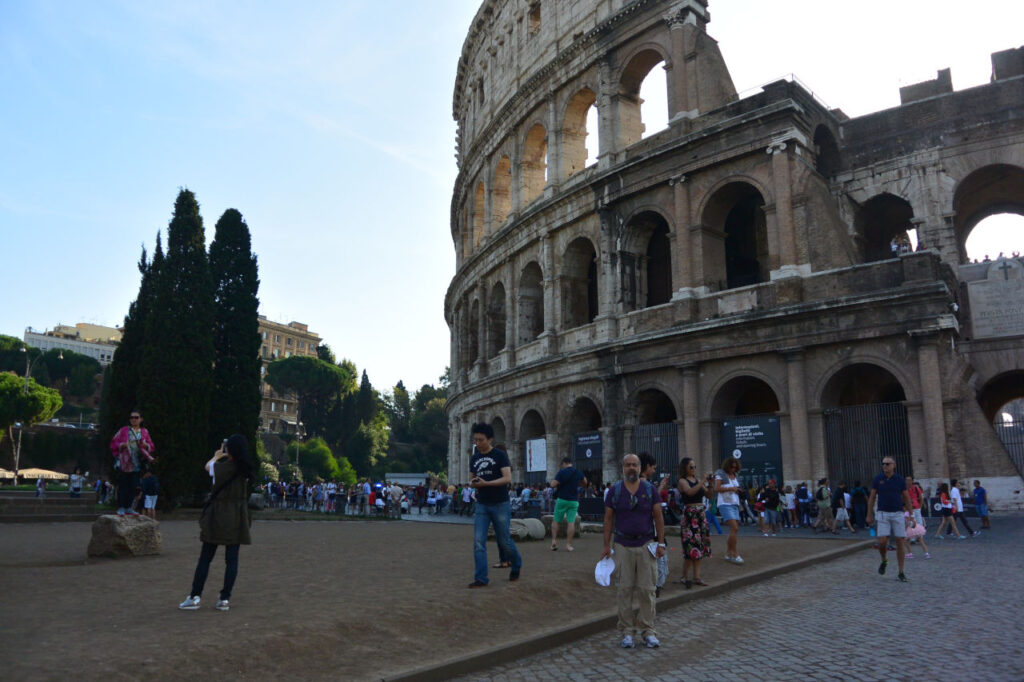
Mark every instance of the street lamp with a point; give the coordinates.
(298, 443)
(29, 364)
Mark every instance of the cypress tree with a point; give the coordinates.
(235, 405)
(178, 357)
(121, 378)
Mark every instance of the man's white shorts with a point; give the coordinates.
(890, 523)
(150, 502)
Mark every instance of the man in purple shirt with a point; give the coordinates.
(633, 514)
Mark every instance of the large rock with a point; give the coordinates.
(547, 519)
(125, 536)
(526, 529)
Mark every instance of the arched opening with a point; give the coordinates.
(998, 236)
(656, 431)
(579, 284)
(496, 321)
(501, 199)
(531, 304)
(865, 419)
(635, 120)
(737, 245)
(478, 215)
(990, 191)
(587, 449)
(1002, 400)
(473, 333)
(535, 458)
(749, 430)
(646, 262)
(826, 159)
(500, 439)
(575, 131)
(884, 227)
(534, 167)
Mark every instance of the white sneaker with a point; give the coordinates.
(627, 642)
(190, 604)
(222, 605)
(737, 559)
(652, 642)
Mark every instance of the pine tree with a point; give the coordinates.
(177, 376)
(121, 380)
(235, 404)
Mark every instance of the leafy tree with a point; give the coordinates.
(35, 405)
(367, 401)
(176, 374)
(318, 385)
(122, 376)
(236, 376)
(399, 410)
(317, 461)
(346, 474)
(324, 352)
(368, 446)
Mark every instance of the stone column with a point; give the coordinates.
(683, 19)
(606, 115)
(552, 298)
(511, 313)
(931, 404)
(682, 250)
(553, 455)
(797, 464)
(691, 418)
(609, 454)
(554, 160)
(782, 185)
(481, 332)
(606, 323)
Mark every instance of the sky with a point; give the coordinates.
(328, 125)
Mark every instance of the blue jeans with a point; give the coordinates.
(713, 520)
(498, 514)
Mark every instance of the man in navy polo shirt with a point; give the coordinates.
(890, 490)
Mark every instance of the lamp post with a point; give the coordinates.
(29, 364)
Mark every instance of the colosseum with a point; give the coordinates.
(764, 275)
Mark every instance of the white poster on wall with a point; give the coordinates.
(536, 455)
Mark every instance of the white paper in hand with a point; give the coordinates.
(603, 571)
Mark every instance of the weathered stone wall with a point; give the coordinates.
(738, 261)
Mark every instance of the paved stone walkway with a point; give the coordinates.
(959, 617)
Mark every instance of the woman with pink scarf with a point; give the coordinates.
(129, 446)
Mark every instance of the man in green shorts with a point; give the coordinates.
(567, 501)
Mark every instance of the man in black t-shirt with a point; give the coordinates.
(490, 476)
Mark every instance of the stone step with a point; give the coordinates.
(46, 518)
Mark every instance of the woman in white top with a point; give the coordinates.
(727, 486)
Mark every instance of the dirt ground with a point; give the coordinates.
(314, 600)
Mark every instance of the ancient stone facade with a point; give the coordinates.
(750, 261)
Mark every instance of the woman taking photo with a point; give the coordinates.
(693, 529)
(946, 502)
(225, 518)
(727, 485)
(130, 446)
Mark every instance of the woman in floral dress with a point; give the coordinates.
(693, 529)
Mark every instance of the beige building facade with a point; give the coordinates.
(93, 340)
(278, 413)
(741, 281)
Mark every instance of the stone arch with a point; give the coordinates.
(861, 383)
(501, 191)
(653, 405)
(579, 283)
(999, 391)
(531, 425)
(864, 419)
(986, 191)
(530, 304)
(500, 433)
(636, 69)
(736, 248)
(882, 224)
(496, 316)
(826, 152)
(533, 169)
(584, 415)
(819, 391)
(479, 201)
(647, 261)
(742, 395)
(472, 334)
(574, 131)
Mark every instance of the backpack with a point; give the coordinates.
(822, 494)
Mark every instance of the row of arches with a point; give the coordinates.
(520, 172)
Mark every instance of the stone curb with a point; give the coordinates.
(556, 637)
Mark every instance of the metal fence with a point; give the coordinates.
(1012, 436)
(857, 437)
(662, 442)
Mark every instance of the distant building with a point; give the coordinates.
(94, 340)
(278, 412)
